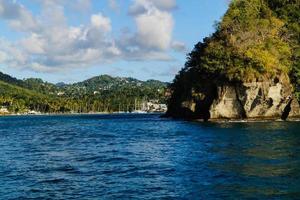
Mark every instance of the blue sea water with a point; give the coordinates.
(146, 157)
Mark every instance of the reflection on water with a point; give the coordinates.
(145, 157)
(263, 157)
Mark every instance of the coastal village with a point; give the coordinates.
(152, 106)
(98, 95)
(4, 111)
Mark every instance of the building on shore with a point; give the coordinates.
(4, 110)
(33, 112)
(154, 106)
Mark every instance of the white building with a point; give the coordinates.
(156, 107)
(4, 110)
(60, 93)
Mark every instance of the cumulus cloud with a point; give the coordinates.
(154, 23)
(33, 44)
(141, 6)
(17, 15)
(68, 47)
(101, 22)
(51, 44)
(154, 29)
(12, 55)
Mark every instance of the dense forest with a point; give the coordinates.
(256, 40)
(99, 94)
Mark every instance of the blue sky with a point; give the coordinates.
(71, 40)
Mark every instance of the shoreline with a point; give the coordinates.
(249, 120)
(75, 114)
(234, 120)
(221, 121)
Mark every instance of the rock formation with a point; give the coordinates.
(248, 69)
(264, 99)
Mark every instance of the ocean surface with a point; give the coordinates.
(146, 157)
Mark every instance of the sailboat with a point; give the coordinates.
(136, 111)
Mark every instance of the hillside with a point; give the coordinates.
(98, 94)
(106, 84)
(8, 79)
(18, 99)
(244, 69)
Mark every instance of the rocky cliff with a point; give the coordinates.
(266, 99)
(262, 99)
(248, 69)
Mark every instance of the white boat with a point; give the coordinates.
(139, 112)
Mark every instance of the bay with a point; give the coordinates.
(134, 156)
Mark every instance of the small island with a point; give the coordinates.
(248, 69)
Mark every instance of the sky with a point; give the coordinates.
(72, 40)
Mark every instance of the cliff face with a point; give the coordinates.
(266, 99)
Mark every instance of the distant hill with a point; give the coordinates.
(18, 99)
(8, 79)
(106, 83)
(98, 94)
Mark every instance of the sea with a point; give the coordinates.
(143, 156)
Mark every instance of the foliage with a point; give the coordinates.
(289, 12)
(99, 94)
(256, 40)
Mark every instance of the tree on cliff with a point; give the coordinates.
(256, 40)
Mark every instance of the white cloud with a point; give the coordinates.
(154, 29)
(164, 4)
(12, 55)
(3, 57)
(52, 14)
(17, 15)
(51, 44)
(101, 22)
(141, 6)
(37, 67)
(33, 44)
(1, 10)
(155, 24)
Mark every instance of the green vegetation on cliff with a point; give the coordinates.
(256, 40)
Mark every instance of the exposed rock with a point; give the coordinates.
(227, 105)
(191, 105)
(264, 99)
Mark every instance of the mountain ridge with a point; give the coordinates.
(10, 79)
(102, 93)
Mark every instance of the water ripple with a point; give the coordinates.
(146, 157)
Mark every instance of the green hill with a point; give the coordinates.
(98, 94)
(18, 99)
(256, 41)
(8, 79)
